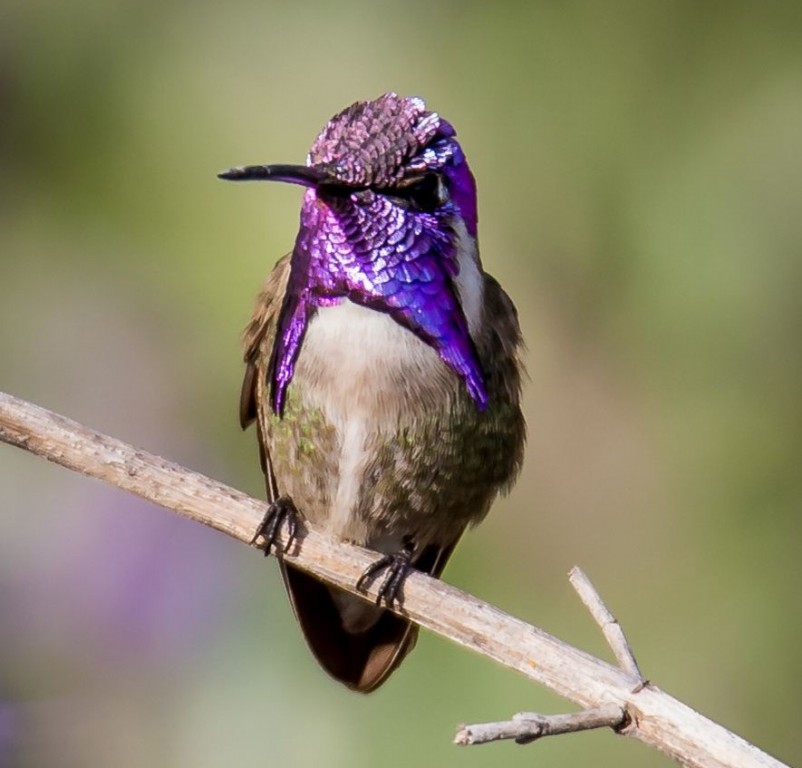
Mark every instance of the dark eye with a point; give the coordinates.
(425, 193)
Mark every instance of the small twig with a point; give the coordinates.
(612, 630)
(526, 727)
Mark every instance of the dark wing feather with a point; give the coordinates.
(247, 398)
(257, 340)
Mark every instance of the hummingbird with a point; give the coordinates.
(382, 370)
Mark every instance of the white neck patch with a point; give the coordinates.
(469, 282)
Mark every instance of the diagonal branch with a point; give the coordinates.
(653, 716)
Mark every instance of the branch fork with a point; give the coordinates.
(526, 727)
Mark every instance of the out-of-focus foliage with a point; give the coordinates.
(640, 176)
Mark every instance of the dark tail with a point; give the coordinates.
(360, 660)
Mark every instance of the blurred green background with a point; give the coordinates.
(640, 176)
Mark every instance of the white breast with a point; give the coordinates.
(356, 364)
(470, 281)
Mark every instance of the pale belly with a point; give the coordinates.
(379, 439)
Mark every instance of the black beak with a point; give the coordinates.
(304, 175)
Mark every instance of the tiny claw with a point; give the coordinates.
(398, 565)
(280, 512)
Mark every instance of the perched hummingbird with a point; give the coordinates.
(382, 370)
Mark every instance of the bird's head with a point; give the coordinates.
(390, 158)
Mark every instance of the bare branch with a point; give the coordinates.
(612, 630)
(526, 727)
(653, 716)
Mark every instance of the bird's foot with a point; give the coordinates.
(280, 512)
(397, 567)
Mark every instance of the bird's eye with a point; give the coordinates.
(425, 193)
